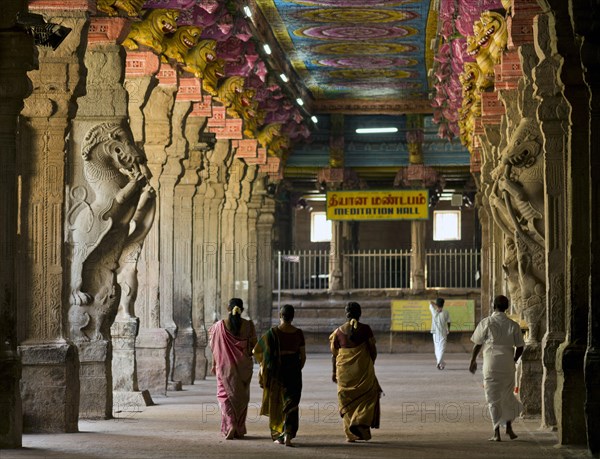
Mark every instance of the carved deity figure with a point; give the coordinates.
(151, 30)
(182, 41)
(268, 133)
(114, 177)
(517, 205)
(197, 58)
(112, 7)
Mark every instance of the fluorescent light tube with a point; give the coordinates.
(247, 11)
(299, 101)
(267, 49)
(376, 130)
(314, 119)
(284, 77)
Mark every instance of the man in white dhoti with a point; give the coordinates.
(502, 342)
(440, 327)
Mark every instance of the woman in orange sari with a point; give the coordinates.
(354, 353)
(231, 341)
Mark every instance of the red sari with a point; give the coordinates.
(232, 356)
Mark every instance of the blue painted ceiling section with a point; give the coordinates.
(377, 150)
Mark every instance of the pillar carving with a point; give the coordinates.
(171, 174)
(16, 58)
(231, 249)
(570, 386)
(245, 252)
(107, 171)
(553, 114)
(214, 179)
(584, 27)
(264, 236)
(198, 148)
(418, 254)
(185, 342)
(153, 343)
(50, 360)
(254, 206)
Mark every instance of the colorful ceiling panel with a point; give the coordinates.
(355, 49)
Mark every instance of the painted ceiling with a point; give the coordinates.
(355, 49)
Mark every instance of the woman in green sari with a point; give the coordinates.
(281, 354)
(354, 353)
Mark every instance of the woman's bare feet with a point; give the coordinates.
(287, 439)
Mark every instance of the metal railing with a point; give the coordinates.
(453, 268)
(375, 269)
(379, 269)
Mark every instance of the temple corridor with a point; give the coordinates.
(425, 413)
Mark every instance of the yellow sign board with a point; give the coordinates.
(378, 205)
(414, 315)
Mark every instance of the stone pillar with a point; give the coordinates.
(107, 175)
(245, 247)
(172, 172)
(336, 256)
(419, 254)
(16, 58)
(50, 383)
(213, 188)
(264, 263)
(185, 342)
(589, 52)
(569, 401)
(153, 343)
(553, 116)
(197, 147)
(230, 245)
(254, 206)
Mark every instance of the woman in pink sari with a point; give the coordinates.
(231, 341)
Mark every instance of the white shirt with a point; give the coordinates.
(498, 335)
(439, 321)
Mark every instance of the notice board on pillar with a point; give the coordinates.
(378, 205)
(414, 315)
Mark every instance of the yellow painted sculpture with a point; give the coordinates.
(227, 93)
(278, 146)
(182, 41)
(199, 56)
(151, 31)
(112, 7)
(214, 71)
(481, 55)
(493, 35)
(267, 135)
(251, 114)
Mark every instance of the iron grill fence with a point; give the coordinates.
(453, 268)
(376, 269)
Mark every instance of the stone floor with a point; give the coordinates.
(426, 413)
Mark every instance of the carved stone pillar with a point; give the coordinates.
(553, 113)
(230, 247)
(264, 235)
(245, 251)
(16, 58)
(336, 256)
(153, 343)
(197, 147)
(185, 341)
(132, 274)
(213, 187)
(108, 174)
(254, 207)
(171, 174)
(586, 28)
(571, 390)
(50, 383)
(418, 254)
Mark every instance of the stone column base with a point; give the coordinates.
(11, 418)
(174, 386)
(95, 380)
(185, 356)
(532, 372)
(50, 387)
(201, 364)
(152, 355)
(131, 401)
